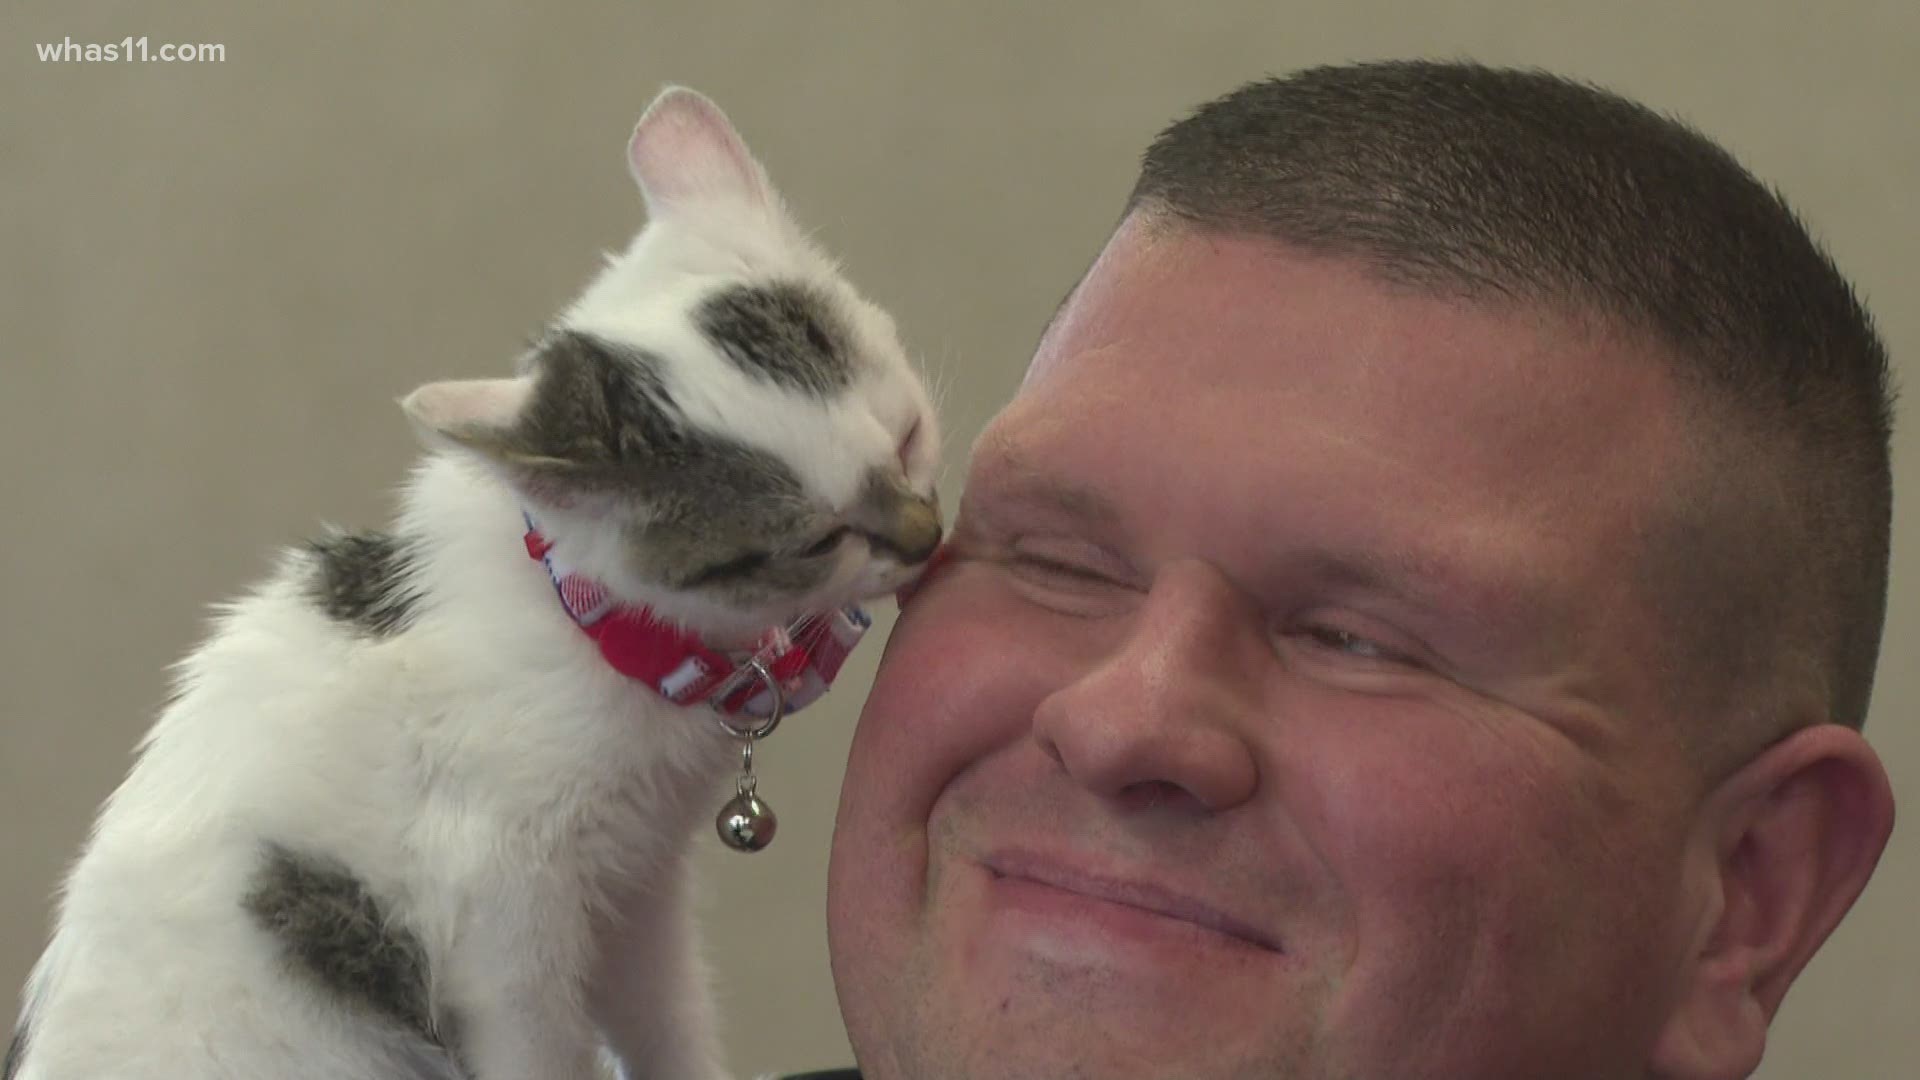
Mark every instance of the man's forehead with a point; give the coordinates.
(1007, 467)
(1133, 239)
(1289, 326)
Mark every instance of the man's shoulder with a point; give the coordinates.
(826, 1074)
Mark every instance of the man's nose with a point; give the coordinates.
(1170, 710)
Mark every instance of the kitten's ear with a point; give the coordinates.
(478, 414)
(684, 150)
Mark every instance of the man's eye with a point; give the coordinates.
(1066, 585)
(1346, 643)
(825, 545)
(1057, 570)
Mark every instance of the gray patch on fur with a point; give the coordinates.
(16, 1051)
(599, 412)
(734, 567)
(449, 1033)
(720, 516)
(363, 579)
(784, 333)
(335, 932)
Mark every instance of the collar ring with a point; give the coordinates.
(755, 667)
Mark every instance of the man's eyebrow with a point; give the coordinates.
(1400, 573)
(1492, 593)
(1014, 477)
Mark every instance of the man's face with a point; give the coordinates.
(1289, 707)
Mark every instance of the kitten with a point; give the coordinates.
(402, 818)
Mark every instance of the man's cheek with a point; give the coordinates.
(958, 679)
(941, 666)
(942, 557)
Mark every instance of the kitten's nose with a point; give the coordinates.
(896, 519)
(916, 531)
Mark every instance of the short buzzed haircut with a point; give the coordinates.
(1522, 187)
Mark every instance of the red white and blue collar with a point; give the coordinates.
(802, 657)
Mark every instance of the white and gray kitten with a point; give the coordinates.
(401, 819)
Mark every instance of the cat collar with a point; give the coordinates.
(788, 669)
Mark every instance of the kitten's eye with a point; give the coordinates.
(825, 545)
(908, 442)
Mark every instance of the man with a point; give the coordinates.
(1413, 621)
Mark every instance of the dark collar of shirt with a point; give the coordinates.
(828, 1074)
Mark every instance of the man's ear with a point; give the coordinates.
(1780, 851)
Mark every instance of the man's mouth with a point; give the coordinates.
(1035, 875)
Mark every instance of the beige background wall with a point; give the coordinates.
(218, 277)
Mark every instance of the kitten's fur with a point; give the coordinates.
(401, 819)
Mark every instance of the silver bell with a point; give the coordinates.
(746, 823)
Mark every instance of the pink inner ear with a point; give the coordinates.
(684, 147)
(490, 401)
(448, 406)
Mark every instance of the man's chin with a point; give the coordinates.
(1066, 986)
(1039, 1037)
